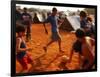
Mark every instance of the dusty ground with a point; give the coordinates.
(50, 61)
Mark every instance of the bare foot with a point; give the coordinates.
(61, 51)
(45, 49)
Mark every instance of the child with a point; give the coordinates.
(55, 36)
(21, 49)
(84, 46)
(27, 20)
(83, 19)
(90, 27)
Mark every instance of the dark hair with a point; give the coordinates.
(20, 29)
(80, 33)
(25, 8)
(83, 13)
(54, 9)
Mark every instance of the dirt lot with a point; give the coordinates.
(51, 60)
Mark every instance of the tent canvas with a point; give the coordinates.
(70, 23)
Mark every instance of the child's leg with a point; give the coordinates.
(29, 59)
(78, 66)
(49, 43)
(28, 34)
(29, 31)
(59, 43)
(24, 65)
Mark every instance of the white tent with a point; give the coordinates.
(71, 23)
(74, 21)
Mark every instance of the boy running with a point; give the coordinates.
(55, 36)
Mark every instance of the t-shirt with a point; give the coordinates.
(26, 18)
(83, 23)
(54, 23)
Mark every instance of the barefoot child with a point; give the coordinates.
(55, 36)
(21, 49)
(84, 46)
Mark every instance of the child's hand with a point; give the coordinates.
(30, 49)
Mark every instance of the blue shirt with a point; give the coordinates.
(83, 23)
(54, 22)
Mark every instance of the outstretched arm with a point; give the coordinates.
(46, 21)
(60, 21)
(71, 54)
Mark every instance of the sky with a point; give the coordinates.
(49, 7)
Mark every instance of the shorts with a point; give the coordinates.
(26, 23)
(55, 36)
(25, 61)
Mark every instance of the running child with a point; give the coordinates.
(55, 36)
(22, 50)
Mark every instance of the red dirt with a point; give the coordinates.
(49, 62)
